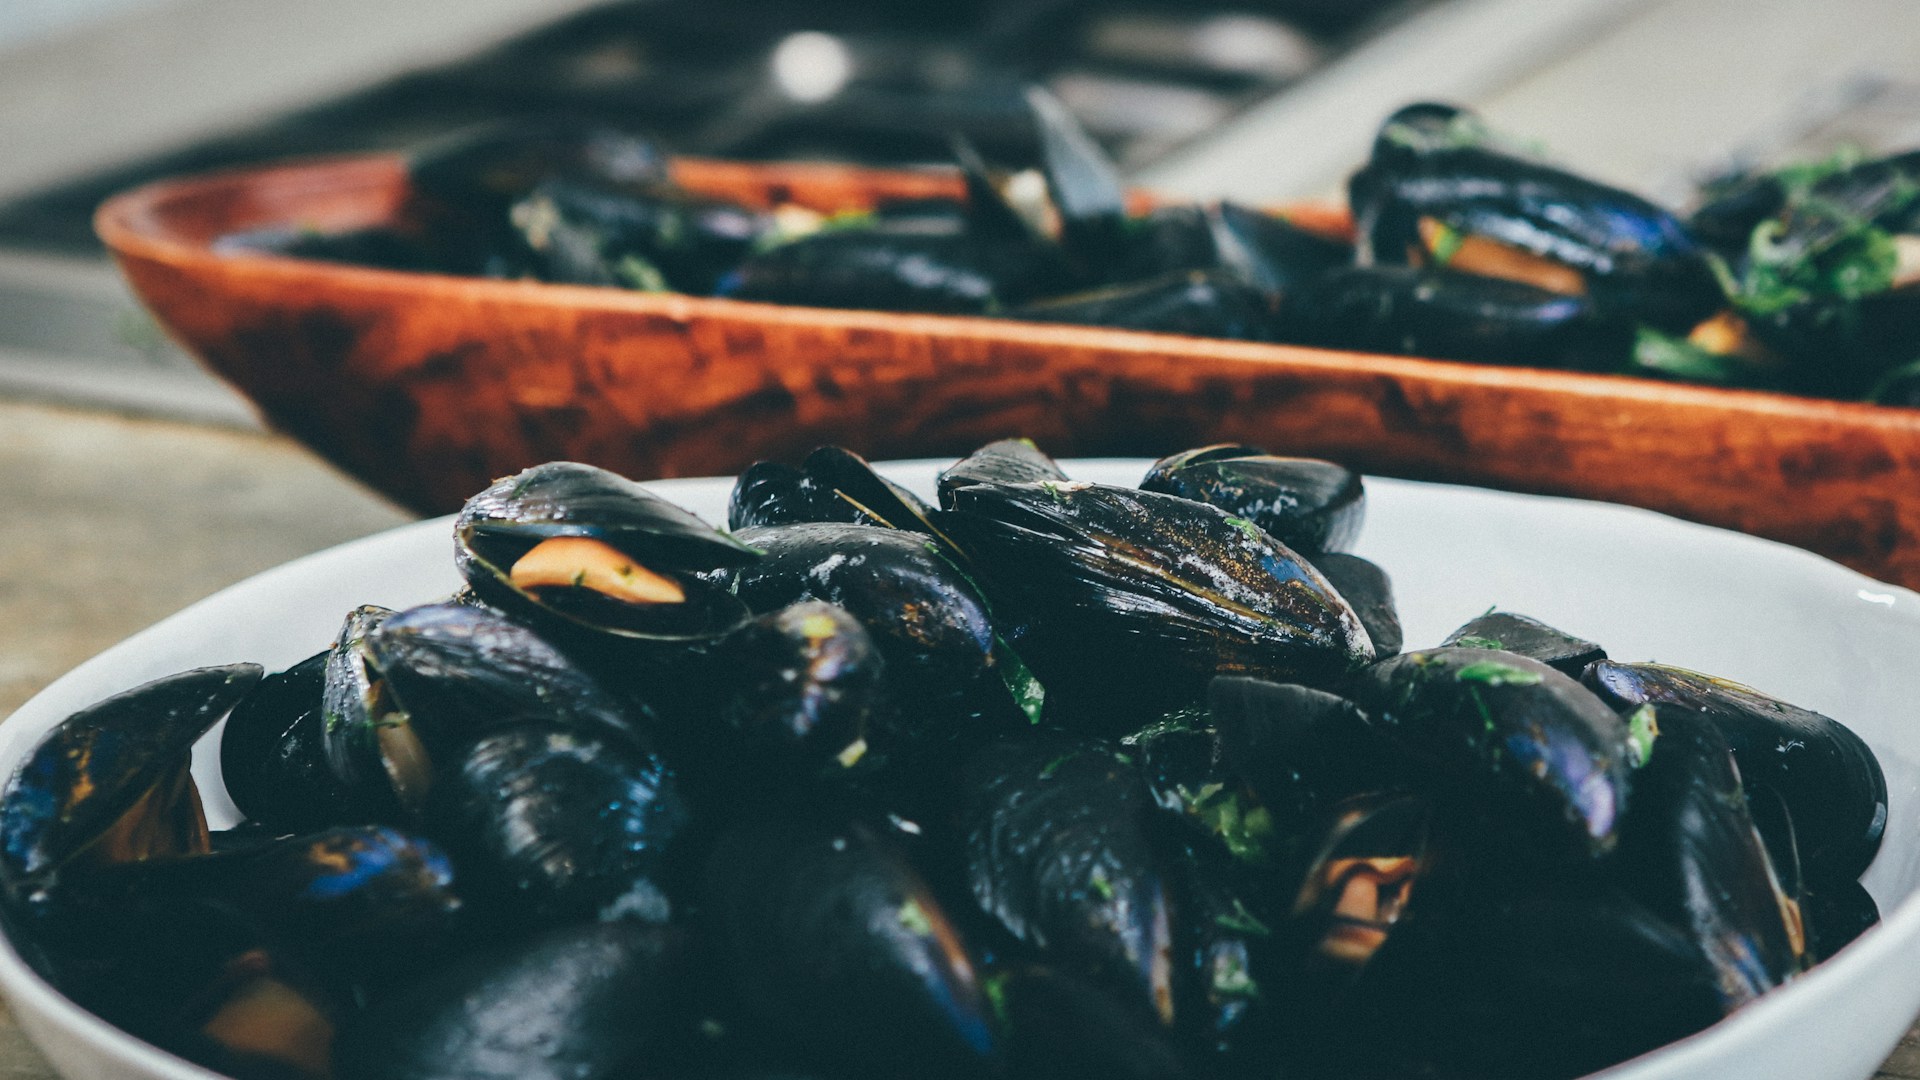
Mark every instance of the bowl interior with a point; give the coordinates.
(1645, 586)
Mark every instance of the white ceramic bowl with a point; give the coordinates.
(1645, 586)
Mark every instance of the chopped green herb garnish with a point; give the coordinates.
(1655, 353)
(1176, 720)
(1496, 673)
(1253, 532)
(995, 988)
(1241, 921)
(1446, 244)
(1100, 885)
(1028, 694)
(637, 273)
(1245, 829)
(1474, 641)
(1054, 765)
(1231, 978)
(914, 918)
(1643, 727)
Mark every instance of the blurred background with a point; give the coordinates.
(135, 483)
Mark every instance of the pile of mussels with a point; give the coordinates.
(1059, 779)
(1468, 248)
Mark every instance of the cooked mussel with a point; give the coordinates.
(111, 784)
(1528, 637)
(833, 939)
(656, 240)
(944, 676)
(1369, 591)
(1058, 850)
(1443, 313)
(1140, 598)
(1688, 850)
(273, 753)
(581, 551)
(1510, 734)
(549, 825)
(1437, 193)
(1827, 777)
(581, 1002)
(1007, 461)
(1310, 505)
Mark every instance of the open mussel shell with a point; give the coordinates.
(273, 753)
(1135, 599)
(1084, 184)
(570, 501)
(832, 939)
(1510, 737)
(1829, 779)
(370, 743)
(1059, 851)
(111, 781)
(1369, 591)
(1528, 637)
(582, 1002)
(1310, 505)
(549, 825)
(1688, 850)
(1007, 461)
(1370, 854)
(1635, 259)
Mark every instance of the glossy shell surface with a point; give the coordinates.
(1646, 585)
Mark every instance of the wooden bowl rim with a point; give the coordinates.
(142, 224)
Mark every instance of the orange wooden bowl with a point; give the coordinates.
(427, 387)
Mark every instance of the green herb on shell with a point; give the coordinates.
(1472, 641)
(1643, 727)
(1495, 673)
(914, 918)
(1241, 921)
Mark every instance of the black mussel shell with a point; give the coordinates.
(1312, 506)
(359, 903)
(1638, 261)
(1191, 302)
(388, 249)
(1135, 599)
(800, 683)
(1057, 1024)
(459, 671)
(568, 499)
(550, 825)
(1299, 749)
(1829, 779)
(581, 1002)
(1008, 461)
(1369, 591)
(1506, 983)
(1083, 181)
(852, 479)
(831, 938)
(1059, 851)
(775, 493)
(1513, 633)
(81, 786)
(273, 754)
(1226, 948)
(1168, 240)
(1447, 315)
(370, 742)
(1688, 850)
(943, 680)
(1270, 252)
(1837, 914)
(1528, 745)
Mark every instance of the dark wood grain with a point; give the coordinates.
(427, 386)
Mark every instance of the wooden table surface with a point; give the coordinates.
(113, 524)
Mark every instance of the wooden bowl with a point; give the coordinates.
(427, 387)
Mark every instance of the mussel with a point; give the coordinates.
(1312, 506)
